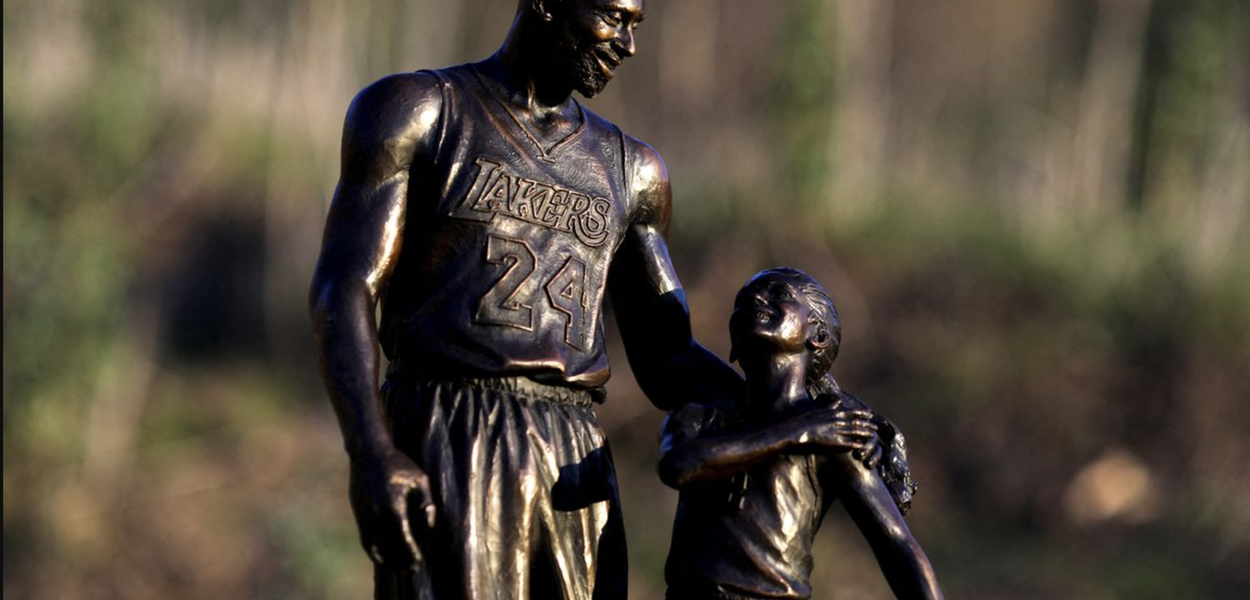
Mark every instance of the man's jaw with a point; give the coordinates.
(608, 61)
(597, 69)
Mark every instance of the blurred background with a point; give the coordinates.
(1034, 217)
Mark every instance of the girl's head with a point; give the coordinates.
(787, 310)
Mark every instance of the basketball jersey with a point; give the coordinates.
(507, 243)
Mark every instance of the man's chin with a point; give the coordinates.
(591, 84)
(591, 90)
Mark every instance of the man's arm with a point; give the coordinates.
(390, 124)
(689, 454)
(650, 305)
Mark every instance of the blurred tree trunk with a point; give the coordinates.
(1104, 127)
(860, 129)
(1193, 137)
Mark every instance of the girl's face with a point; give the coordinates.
(770, 309)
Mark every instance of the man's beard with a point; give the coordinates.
(581, 64)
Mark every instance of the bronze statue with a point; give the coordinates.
(490, 212)
(757, 478)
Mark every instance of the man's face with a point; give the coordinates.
(595, 36)
(771, 310)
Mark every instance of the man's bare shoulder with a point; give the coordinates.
(391, 123)
(404, 106)
(648, 179)
(648, 166)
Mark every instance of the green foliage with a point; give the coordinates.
(802, 94)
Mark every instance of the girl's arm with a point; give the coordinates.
(692, 452)
(868, 501)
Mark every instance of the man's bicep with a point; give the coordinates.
(364, 233)
(387, 136)
(391, 126)
(643, 257)
(649, 185)
(642, 265)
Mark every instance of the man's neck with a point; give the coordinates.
(521, 67)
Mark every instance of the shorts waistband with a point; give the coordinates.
(674, 594)
(528, 388)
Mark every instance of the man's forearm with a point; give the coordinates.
(349, 354)
(706, 378)
(669, 365)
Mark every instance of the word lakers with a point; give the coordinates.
(495, 191)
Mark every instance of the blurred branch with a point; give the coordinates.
(861, 124)
(1106, 113)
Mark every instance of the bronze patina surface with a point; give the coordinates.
(756, 478)
(489, 214)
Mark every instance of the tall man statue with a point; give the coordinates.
(490, 213)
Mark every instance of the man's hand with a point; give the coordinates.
(871, 451)
(833, 430)
(394, 511)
